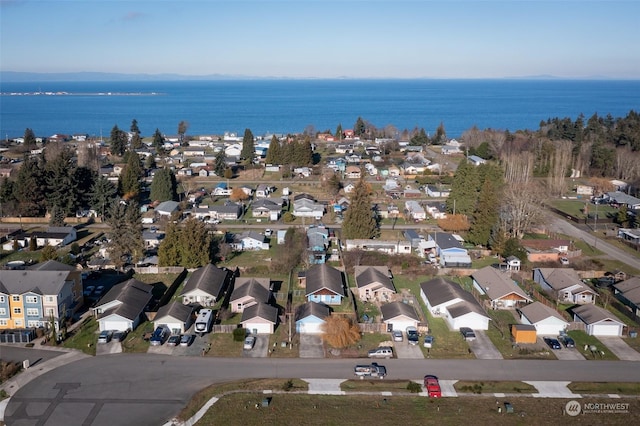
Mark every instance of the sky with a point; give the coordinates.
(324, 39)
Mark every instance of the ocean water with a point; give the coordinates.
(291, 106)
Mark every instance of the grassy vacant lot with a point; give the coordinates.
(581, 338)
(84, 338)
(576, 208)
(303, 409)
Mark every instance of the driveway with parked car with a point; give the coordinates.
(620, 348)
(259, 348)
(482, 346)
(564, 353)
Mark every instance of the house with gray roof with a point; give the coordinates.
(206, 285)
(56, 236)
(167, 208)
(545, 319)
(249, 240)
(317, 244)
(457, 306)
(399, 315)
(260, 318)
(621, 198)
(324, 284)
(310, 317)
(450, 251)
(249, 291)
(374, 283)
(598, 321)
(123, 306)
(565, 285)
(74, 274)
(30, 298)
(628, 292)
(502, 291)
(175, 316)
(265, 207)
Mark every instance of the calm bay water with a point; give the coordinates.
(290, 106)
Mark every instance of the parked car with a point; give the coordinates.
(99, 290)
(105, 336)
(552, 343)
(381, 352)
(186, 339)
(88, 290)
(567, 341)
(174, 340)
(564, 261)
(428, 341)
(412, 335)
(432, 385)
(467, 334)
(249, 341)
(159, 336)
(119, 336)
(397, 336)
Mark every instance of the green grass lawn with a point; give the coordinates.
(84, 338)
(581, 338)
(500, 334)
(605, 388)
(134, 342)
(494, 387)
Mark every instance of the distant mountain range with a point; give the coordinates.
(19, 77)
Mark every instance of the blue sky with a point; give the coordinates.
(325, 39)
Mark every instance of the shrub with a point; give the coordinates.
(288, 385)
(414, 387)
(239, 334)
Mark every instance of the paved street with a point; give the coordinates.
(134, 388)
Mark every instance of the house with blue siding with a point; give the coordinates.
(324, 284)
(310, 317)
(318, 242)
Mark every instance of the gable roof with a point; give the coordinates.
(591, 314)
(496, 284)
(175, 310)
(260, 310)
(318, 310)
(208, 279)
(133, 296)
(323, 276)
(560, 278)
(630, 289)
(51, 265)
(537, 311)
(366, 275)
(258, 288)
(396, 309)
(440, 290)
(445, 240)
(167, 206)
(38, 282)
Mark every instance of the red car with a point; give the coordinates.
(432, 386)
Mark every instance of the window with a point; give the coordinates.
(15, 298)
(3, 322)
(31, 299)
(18, 323)
(49, 299)
(34, 324)
(17, 310)
(1, 299)
(31, 312)
(50, 312)
(3, 311)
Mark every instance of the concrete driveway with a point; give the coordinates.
(406, 351)
(260, 348)
(482, 346)
(311, 346)
(620, 348)
(564, 354)
(113, 347)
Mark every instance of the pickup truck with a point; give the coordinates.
(370, 370)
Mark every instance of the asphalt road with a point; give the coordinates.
(143, 389)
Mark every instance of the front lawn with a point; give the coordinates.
(134, 342)
(500, 334)
(84, 337)
(583, 340)
(494, 387)
(605, 388)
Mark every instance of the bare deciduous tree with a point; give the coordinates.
(339, 331)
(518, 167)
(521, 207)
(560, 163)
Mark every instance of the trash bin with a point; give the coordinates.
(266, 402)
(633, 334)
(508, 408)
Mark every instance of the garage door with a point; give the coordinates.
(175, 327)
(310, 328)
(114, 325)
(402, 325)
(605, 330)
(258, 328)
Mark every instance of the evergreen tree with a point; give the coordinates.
(440, 138)
(169, 249)
(360, 128)
(339, 132)
(464, 189)
(134, 126)
(219, 163)
(485, 216)
(273, 153)
(61, 189)
(158, 141)
(420, 138)
(48, 253)
(164, 186)
(8, 202)
(57, 216)
(29, 138)
(125, 233)
(119, 141)
(248, 150)
(189, 246)
(182, 129)
(30, 188)
(130, 178)
(136, 141)
(359, 220)
(306, 153)
(150, 162)
(103, 193)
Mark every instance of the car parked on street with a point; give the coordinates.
(432, 385)
(552, 343)
(381, 352)
(467, 333)
(397, 336)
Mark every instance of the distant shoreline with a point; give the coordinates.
(81, 94)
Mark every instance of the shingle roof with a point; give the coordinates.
(496, 284)
(258, 288)
(208, 279)
(559, 278)
(323, 276)
(439, 291)
(465, 307)
(630, 289)
(445, 240)
(536, 312)
(366, 275)
(318, 310)
(175, 310)
(396, 309)
(133, 296)
(260, 310)
(591, 314)
(40, 282)
(51, 265)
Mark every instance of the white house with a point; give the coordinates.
(310, 317)
(598, 321)
(260, 318)
(564, 284)
(546, 320)
(385, 246)
(175, 316)
(249, 240)
(415, 210)
(123, 307)
(399, 315)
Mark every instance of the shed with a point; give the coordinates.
(524, 333)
